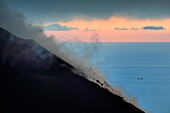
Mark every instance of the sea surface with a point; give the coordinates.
(140, 70)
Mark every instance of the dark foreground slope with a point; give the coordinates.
(32, 80)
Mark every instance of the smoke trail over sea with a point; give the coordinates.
(17, 24)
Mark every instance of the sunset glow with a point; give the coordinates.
(128, 30)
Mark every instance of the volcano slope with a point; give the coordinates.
(33, 80)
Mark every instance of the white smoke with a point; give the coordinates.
(83, 50)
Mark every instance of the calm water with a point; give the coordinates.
(142, 70)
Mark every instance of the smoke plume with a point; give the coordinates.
(17, 24)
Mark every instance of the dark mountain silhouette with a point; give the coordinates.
(33, 80)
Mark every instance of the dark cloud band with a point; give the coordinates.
(57, 10)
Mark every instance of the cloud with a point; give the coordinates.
(87, 29)
(65, 10)
(121, 28)
(153, 28)
(135, 28)
(58, 27)
(144, 28)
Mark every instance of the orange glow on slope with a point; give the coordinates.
(107, 33)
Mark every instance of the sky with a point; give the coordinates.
(110, 20)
